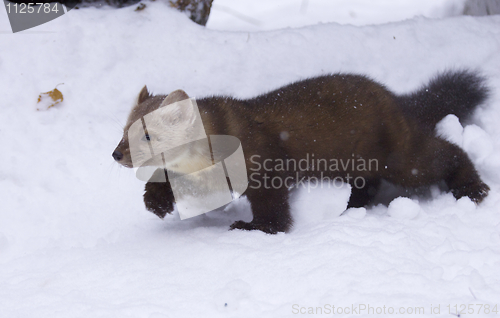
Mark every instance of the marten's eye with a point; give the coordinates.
(146, 138)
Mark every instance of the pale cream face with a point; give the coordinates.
(161, 133)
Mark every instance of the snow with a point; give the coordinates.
(403, 208)
(76, 241)
(246, 15)
(357, 213)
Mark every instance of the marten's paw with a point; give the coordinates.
(159, 198)
(250, 226)
(475, 191)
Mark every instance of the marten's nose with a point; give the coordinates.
(117, 155)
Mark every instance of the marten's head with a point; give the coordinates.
(156, 130)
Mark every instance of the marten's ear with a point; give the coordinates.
(175, 96)
(143, 95)
(181, 112)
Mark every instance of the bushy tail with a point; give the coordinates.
(452, 92)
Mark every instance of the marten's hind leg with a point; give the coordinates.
(462, 178)
(434, 159)
(363, 196)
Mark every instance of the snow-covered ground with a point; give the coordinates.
(76, 241)
(253, 15)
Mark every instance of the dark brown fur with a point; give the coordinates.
(341, 117)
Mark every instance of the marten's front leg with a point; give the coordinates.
(159, 197)
(271, 211)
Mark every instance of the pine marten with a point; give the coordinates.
(333, 118)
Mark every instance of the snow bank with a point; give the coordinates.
(253, 15)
